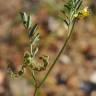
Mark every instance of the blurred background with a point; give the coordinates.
(75, 71)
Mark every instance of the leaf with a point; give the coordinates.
(23, 17)
(67, 6)
(34, 51)
(26, 19)
(65, 20)
(29, 22)
(33, 30)
(35, 39)
(79, 3)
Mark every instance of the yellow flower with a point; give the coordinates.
(85, 12)
(82, 13)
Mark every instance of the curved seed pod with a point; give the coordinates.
(45, 60)
(27, 57)
(41, 66)
(20, 72)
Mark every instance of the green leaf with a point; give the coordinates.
(35, 38)
(29, 22)
(65, 20)
(31, 33)
(67, 6)
(26, 19)
(23, 17)
(35, 51)
(79, 3)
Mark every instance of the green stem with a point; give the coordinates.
(70, 29)
(35, 92)
(33, 75)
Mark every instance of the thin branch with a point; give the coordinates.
(33, 76)
(70, 29)
(35, 92)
